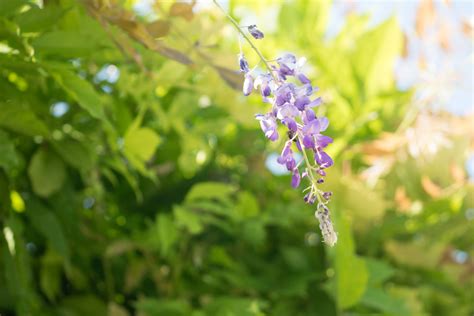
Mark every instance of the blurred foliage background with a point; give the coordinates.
(134, 179)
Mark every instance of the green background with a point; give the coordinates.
(150, 195)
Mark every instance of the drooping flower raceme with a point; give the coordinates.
(292, 100)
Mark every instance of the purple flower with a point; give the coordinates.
(292, 104)
(266, 91)
(322, 159)
(286, 157)
(315, 102)
(290, 123)
(248, 84)
(327, 195)
(303, 79)
(311, 128)
(283, 94)
(323, 123)
(322, 140)
(308, 141)
(308, 116)
(244, 65)
(263, 81)
(287, 110)
(268, 125)
(287, 59)
(255, 32)
(285, 71)
(309, 198)
(295, 178)
(301, 102)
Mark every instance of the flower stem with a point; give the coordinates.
(238, 28)
(311, 175)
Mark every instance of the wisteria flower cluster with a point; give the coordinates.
(292, 98)
(290, 93)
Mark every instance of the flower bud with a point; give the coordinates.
(327, 195)
(255, 32)
(325, 224)
(244, 65)
(295, 179)
(248, 84)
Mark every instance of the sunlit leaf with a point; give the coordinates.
(210, 190)
(139, 146)
(376, 56)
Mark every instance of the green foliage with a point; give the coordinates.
(149, 195)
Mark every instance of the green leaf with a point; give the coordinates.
(358, 197)
(75, 153)
(50, 275)
(66, 44)
(47, 223)
(188, 219)
(17, 270)
(173, 72)
(20, 119)
(8, 156)
(234, 306)
(193, 147)
(166, 233)
(83, 305)
(422, 254)
(10, 6)
(375, 56)
(379, 271)
(210, 190)
(351, 271)
(161, 307)
(36, 19)
(47, 172)
(379, 299)
(309, 16)
(254, 233)
(80, 90)
(247, 205)
(140, 143)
